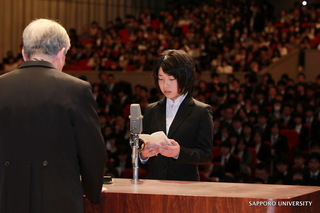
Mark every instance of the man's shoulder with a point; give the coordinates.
(41, 69)
(8, 75)
(72, 79)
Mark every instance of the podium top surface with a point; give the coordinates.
(210, 189)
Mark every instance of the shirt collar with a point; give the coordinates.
(178, 101)
(315, 173)
(227, 156)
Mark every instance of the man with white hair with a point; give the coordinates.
(51, 149)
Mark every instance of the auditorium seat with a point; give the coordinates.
(130, 67)
(155, 24)
(72, 67)
(216, 152)
(127, 173)
(309, 129)
(88, 41)
(185, 29)
(269, 144)
(292, 137)
(284, 125)
(217, 142)
(124, 34)
(202, 176)
(269, 108)
(239, 158)
(279, 25)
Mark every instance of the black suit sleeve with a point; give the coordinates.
(202, 152)
(90, 145)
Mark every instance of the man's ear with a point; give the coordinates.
(60, 55)
(59, 59)
(23, 55)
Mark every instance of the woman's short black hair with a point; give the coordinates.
(178, 64)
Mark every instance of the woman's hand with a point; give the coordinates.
(149, 151)
(170, 151)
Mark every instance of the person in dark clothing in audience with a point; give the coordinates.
(302, 130)
(299, 160)
(282, 172)
(247, 134)
(227, 160)
(314, 147)
(237, 125)
(312, 122)
(218, 174)
(263, 124)
(246, 157)
(278, 142)
(298, 176)
(262, 172)
(312, 176)
(286, 117)
(262, 149)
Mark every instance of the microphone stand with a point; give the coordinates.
(134, 142)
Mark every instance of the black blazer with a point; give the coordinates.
(49, 136)
(264, 153)
(281, 145)
(303, 137)
(246, 158)
(311, 181)
(290, 124)
(192, 128)
(232, 166)
(315, 125)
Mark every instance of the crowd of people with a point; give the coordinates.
(225, 36)
(251, 119)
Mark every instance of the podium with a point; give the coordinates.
(159, 196)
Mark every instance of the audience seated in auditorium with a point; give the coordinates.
(214, 35)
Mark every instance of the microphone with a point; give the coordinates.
(135, 129)
(135, 119)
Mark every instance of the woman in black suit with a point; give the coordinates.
(187, 122)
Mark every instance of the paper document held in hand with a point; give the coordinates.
(155, 138)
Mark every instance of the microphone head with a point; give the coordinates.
(135, 110)
(135, 119)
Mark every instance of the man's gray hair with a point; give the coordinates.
(44, 36)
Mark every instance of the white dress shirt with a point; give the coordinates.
(298, 128)
(172, 109)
